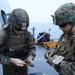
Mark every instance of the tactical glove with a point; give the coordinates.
(29, 61)
(48, 54)
(49, 61)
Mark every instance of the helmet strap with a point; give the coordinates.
(70, 31)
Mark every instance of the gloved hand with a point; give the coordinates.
(29, 61)
(49, 61)
(48, 54)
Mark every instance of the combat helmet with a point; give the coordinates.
(64, 14)
(19, 19)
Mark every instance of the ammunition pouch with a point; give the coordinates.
(71, 57)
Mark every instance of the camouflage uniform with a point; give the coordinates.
(23, 43)
(66, 48)
(66, 43)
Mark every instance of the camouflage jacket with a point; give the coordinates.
(29, 46)
(66, 46)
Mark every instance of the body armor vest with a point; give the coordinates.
(66, 46)
(16, 42)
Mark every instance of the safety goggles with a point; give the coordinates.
(63, 25)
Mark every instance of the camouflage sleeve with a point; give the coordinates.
(3, 59)
(56, 48)
(31, 45)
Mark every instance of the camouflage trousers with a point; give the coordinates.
(66, 68)
(13, 70)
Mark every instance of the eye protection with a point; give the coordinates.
(63, 25)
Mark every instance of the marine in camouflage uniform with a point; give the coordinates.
(17, 48)
(64, 17)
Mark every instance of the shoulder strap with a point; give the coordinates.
(7, 31)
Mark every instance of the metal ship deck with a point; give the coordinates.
(40, 65)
